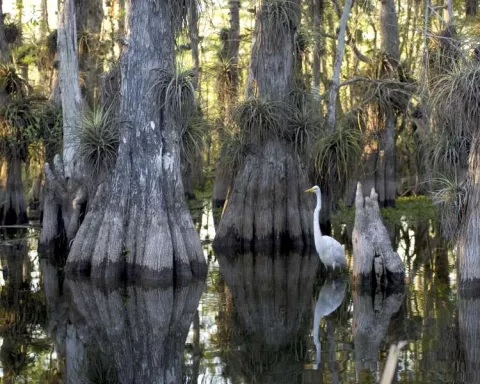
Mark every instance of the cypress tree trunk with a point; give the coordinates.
(121, 18)
(267, 205)
(89, 19)
(44, 27)
(139, 222)
(3, 42)
(192, 171)
(64, 194)
(69, 79)
(318, 9)
(471, 7)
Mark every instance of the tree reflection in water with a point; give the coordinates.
(253, 325)
(266, 326)
(372, 313)
(129, 334)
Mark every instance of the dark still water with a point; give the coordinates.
(257, 319)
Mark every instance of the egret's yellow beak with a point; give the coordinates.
(309, 190)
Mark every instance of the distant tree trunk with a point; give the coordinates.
(139, 223)
(375, 262)
(228, 53)
(194, 41)
(471, 7)
(192, 171)
(318, 8)
(267, 205)
(448, 12)
(3, 42)
(391, 46)
(121, 17)
(44, 27)
(89, 19)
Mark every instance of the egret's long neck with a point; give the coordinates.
(316, 213)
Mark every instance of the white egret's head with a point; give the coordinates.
(315, 188)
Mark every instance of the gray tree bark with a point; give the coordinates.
(139, 223)
(374, 260)
(69, 78)
(267, 206)
(318, 9)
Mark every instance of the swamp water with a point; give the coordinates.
(257, 319)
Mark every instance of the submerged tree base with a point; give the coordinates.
(267, 208)
(108, 252)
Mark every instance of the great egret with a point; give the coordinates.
(330, 250)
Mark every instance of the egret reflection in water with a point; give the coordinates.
(329, 299)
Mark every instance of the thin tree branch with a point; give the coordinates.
(338, 64)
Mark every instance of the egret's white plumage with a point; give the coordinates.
(331, 252)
